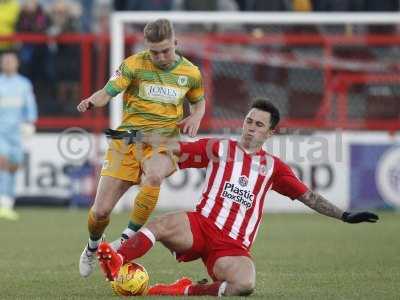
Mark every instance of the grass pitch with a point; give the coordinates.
(297, 256)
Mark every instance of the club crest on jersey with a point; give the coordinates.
(243, 181)
(238, 194)
(182, 80)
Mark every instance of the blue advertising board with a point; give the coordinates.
(374, 176)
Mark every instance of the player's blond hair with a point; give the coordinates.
(158, 30)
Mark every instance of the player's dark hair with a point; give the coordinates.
(159, 30)
(266, 105)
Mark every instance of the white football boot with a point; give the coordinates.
(87, 262)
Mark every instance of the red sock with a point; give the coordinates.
(216, 288)
(137, 245)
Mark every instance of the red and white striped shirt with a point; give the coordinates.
(237, 183)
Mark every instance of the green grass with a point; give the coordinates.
(298, 256)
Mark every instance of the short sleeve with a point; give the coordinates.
(285, 181)
(196, 92)
(120, 80)
(198, 154)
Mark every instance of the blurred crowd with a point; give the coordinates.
(61, 16)
(60, 62)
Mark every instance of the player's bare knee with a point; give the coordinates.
(100, 213)
(152, 179)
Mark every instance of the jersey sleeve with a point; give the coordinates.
(285, 181)
(29, 111)
(198, 154)
(196, 92)
(120, 80)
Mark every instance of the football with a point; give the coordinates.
(132, 280)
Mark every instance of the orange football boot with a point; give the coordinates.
(174, 289)
(109, 260)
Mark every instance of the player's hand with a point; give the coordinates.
(359, 217)
(84, 105)
(190, 125)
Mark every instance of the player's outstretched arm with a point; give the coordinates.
(98, 99)
(323, 206)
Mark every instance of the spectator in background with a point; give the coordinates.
(301, 5)
(143, 5)
(355, 5)
(387, 5)
(9, 11)
(46, 3)
(140, 5)
(338, 5)
(34, 56)
(197, 5)
(207, 5)
(101, 15)
(241, 4)
(18, 113)
(270, 5)
(276, 5)
(32, 18)
(87, 15)
(64, 19)
(358, 6)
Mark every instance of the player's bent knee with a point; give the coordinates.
(244, 288)
(100, 214)
(153, 179)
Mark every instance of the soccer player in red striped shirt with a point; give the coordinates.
(225, 222)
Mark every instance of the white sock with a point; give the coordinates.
(7, 202)
(186, 292)
(222, 289)
(94, 244)
(127, 233)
